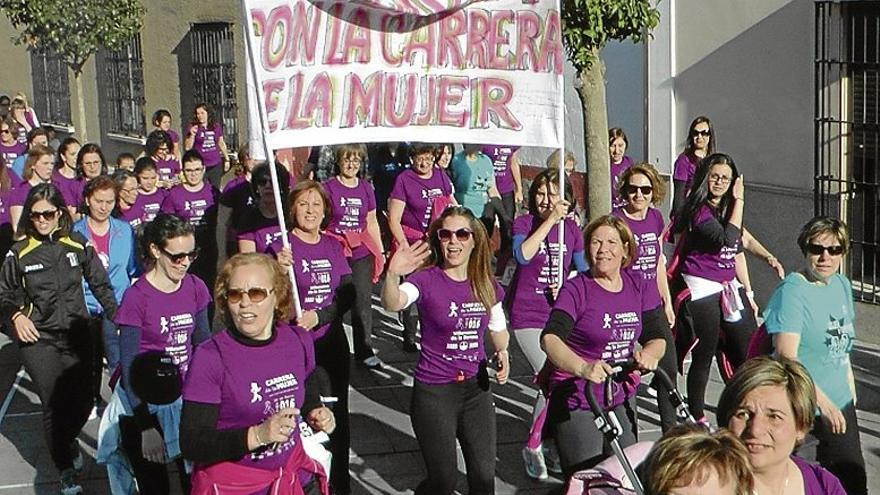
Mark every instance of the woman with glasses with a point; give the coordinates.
(700, 143)
(535, 283)
(10, 147)
(195, 201)
(248, 437)
(127, 207)
(642, 190)
(205, 135)
(712, 267)
(259, 222)
(353, 221)
(159, 149)
(449, 277)
(37, 170)
(420, 194)
(43, 305)
(162, 122)
(812, 319)
(326, 293)
(164, 314)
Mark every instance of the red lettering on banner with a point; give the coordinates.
(421, 40)
(499, 56)
(391, 24)
(276, 37)
(271, 97)
(428, 90)
(332, 55)
(363, 101)
(451, 92)
(477, 45)
(491, 97)
(318, 98)
(399, 105)
(449, 52)
(528, 24)
(303, 42)
(551, 45)
(356, 40)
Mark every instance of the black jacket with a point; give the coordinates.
(42, 277)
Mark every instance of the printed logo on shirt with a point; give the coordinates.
(839, 337)
(28, 268)
(72, 259)
(465, 335)
(277, 393)
(606, 321)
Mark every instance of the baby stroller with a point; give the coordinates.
(616, 475)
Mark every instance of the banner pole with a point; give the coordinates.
(561, 269)
(270, 157)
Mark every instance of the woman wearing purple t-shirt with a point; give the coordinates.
(251, 387)
(597, 319)
(770, 403)
(458, 302)
(323, 281)
(418, 197)
(258, 224)
(353, 220)
(162, 122)
(617, 144)
(642, 190)
(712, 268)
(8, 181)
(10, 147)
(158, 148)
(534, 284)
(700, 143)
(166, 313)
(150, 195)
(205, 135)
(65, 177)
(37, 170)
(127, 198)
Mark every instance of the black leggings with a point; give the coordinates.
(362, 311)
(842, 454)
(331, 353)
(60, 366)
(505, 220)
(708, 325)
(668, 364)
(152, 477)
(441, 414)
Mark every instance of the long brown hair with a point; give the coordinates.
(479, 270)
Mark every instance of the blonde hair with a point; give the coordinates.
(280, 284)
(553, 159)
(688, 455)
(34, 154)
(653, 176)
(626, 236)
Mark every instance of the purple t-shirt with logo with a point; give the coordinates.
(719, 266)
(190, 206)
(251, 382)
(648, 233)
(418, 195)
(684, 169)
(263, 237)
(319, 269)
(166, 320)
(501, 156)
(168, 169)
(348, 209)
(616, 170)
(71, 189)
(818, 480)
(529, 290)
(10, 152)
(149, 205)
(453, 322)
(606, 326)
(206, 143)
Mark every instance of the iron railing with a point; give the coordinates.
(213, 74)
(121, 86)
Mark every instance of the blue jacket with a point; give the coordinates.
(123, 266)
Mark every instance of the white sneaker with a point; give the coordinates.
(69, 482)
(533, 460)
(551, 459)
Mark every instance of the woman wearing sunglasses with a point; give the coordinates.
(258, 224)
(700, 143)
(642, 190)
(165, 312)
(450, 278)
(326, 292)
(37, 170)
(811, 318)
(247, 437)
(535, 282)
(42, 304)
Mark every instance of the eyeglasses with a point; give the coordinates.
(720, 179)
(818, 249)
(254, 294)
(460, 234)
(193, 170)
(177, 258)
(4, 131)
(352, 161)
(45, 215)
(704, 133)
(646, 190)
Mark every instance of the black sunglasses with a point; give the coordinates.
(45, 215)
(177, 258)
(818, 249)
(460, 234)
(707, 132)
(255, 294)
(646, 190)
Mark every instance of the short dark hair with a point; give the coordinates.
(547, 178)
(124, 156)
(35, 132)
(51, 194)
(86, 149)
(155, 140)
(143, 163)
(159, 231)
(823, 225)
(191, 156)
(99, 183)
(160, 114)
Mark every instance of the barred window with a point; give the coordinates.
(121, 89)
(213, 74)
(51, 98)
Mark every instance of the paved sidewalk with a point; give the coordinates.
(385, 455)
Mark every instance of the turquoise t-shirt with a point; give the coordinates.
(472, 180)
(824, 317)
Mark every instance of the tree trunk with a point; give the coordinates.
(592, 93)
(81, 133)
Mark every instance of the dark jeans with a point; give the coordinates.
(441, 414)
(214, 175)
(362, 311)
(842, 454)
(708, 325)
(409, 318)
(331, 353)
(60, 366)
(668, 364)
(505, 219)
(152, 477)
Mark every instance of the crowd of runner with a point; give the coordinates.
(237, 376)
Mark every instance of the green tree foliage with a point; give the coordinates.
(587, 26)
(74, 29)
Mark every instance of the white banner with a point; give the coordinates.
(416, 70)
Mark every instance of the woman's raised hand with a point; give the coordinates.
(408, 259)
(739, 188)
